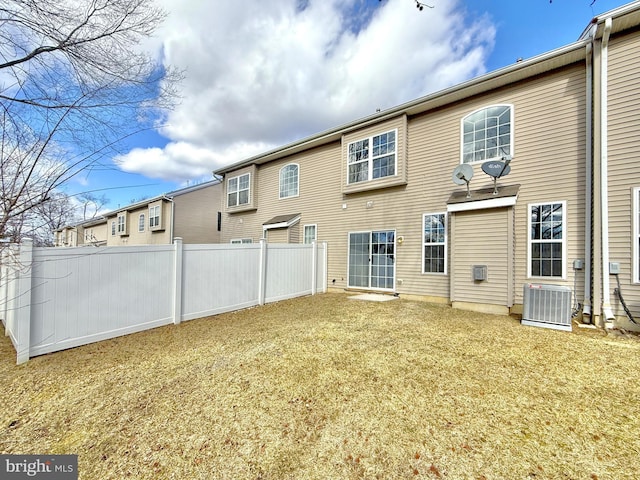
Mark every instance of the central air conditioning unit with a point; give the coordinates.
(547, 306)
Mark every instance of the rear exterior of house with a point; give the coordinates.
(380, 190)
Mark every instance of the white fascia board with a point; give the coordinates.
(291, 222)
(482, 204)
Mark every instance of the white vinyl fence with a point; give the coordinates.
(57, 298)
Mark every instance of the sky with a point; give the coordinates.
(262, 74)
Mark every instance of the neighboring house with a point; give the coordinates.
(66, 236)
(192, 213)
(90, 232)
(380, 190)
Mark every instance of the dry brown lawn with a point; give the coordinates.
(327, 387)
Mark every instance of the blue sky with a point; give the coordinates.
(260, 74)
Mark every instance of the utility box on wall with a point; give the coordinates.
(479, 273)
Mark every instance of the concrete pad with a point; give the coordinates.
(373, 297)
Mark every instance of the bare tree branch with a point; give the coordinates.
(74, 83)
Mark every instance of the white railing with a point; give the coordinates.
(57, 298)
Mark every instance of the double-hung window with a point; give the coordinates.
(310, 233)
(547, 239)
(154, 216)
(141, 223)
(372, 157)
(238, 190)
(487, 134)
(434, 252)
(122, 226)
(113, 228)
(289, 180)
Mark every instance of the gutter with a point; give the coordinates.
(604, 189)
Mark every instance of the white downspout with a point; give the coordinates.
(604, 190)
(173, 219)
(588, 224)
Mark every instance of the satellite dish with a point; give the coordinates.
(463, 174)
(497, 169)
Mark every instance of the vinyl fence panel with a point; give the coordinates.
(219, 278)
(82, 295)
(289, 271)
(58, 298)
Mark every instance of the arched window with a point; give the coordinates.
(289, 181)
(487, 134)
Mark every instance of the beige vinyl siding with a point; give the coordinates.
(623, 157)
(196, 215)
(319, 202)
(278, 235)
(481, 238)
(549, 165)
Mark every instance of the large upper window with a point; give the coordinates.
(434, 252)
(371, 158)
(547, 239)
(289, 181)
(238, 190)
(487, 134)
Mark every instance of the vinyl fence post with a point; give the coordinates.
(314, 268)
(325, 266)
(262, 287)
(23, 313)
(177, 276)
(4, 287)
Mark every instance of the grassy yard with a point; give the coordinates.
(327, 387)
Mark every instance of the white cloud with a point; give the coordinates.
(181, 161)
(262, 74)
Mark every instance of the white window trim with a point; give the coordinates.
(564, 240)
(113, 228)
(238, 177)
(511, 133)
(445, 243)
(280, 181)
(315, 232)
(370, 157)
(141, 223)
(636, 234)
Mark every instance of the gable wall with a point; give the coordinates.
(196, 215)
